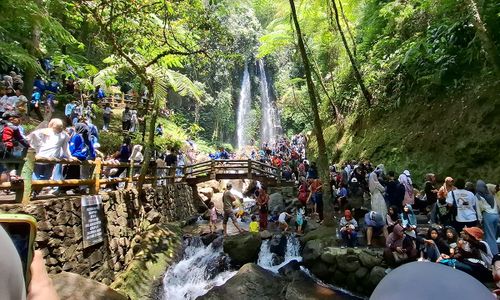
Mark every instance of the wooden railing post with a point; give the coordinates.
(155, 175)
(249, 169)
(96, 176)
(27, 175)
(212, 169)
(130, 175)
(184, 175)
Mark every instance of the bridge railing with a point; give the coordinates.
(157, 175)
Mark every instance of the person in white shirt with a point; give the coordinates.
(465, 203)
(282, 220)
(51, 142)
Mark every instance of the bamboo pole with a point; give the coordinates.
(27, 175)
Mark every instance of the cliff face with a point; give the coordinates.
(456, 134)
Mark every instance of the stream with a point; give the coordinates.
(203, 267)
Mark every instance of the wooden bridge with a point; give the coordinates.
(157, 175)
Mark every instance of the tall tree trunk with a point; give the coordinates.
(348, 28)
(357, 74)
(322, 151)
(151, 134)
(33, 47)
(484, 36)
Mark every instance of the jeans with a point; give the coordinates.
(490, 226)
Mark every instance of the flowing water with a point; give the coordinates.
(244, 105)
(267, 259)
(270, 119)
(201, 268)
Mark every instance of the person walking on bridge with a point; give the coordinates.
(227, 200)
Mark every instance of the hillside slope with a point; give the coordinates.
(457, 134)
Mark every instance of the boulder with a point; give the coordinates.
(242, 248)
(265, 234)
(208, 192)
(330, 254)
(361, 273)
(320, 269)
(376, 275)
(217, 200)
(312, 250)
(369, 260)
(321, 233)
(348, 263)
(251, 282)
(308, 290)
(77, 287)
(276, 203)
(208, 238)
(290, 269)
(277, 244)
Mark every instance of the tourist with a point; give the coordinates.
(171, 161)
(254, 225)
(51, 142)
(405, 180)
(430, 190)
(431, 244)
(36, 98)
(375, 226)
(446, 188)
(180, 164)
(464, 203)
(316, 197)
(303, 194)
(395, 192)
(13, 143)
(213, 217)
(123, 156)
(21, 105)
(134, 120)
(488, 213)
(473, 255)
(348, 227)
(126, 119)
(262, 204)
(106, 116)
(82, 148)
(441, 214)
(68, 111)
(227, 200)
(283, 224)
(341, 197)
(299, 219)
(392, 218)
(409, 221)
(376, 190)
(399, 248)
(312, 172)
(450, 239)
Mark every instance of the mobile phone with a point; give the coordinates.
(22, 231)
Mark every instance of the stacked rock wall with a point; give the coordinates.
(59, 234)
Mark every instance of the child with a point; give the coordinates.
(300, 220)
(282, 220)
(348, 227)
(254, 225)
(213, 217)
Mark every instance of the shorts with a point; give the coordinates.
(317, 198)
(227, 215)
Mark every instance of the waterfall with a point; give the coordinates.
(270, 123)
(266, 257)
(201, 268)
(243, 110)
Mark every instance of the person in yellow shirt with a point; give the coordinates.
(254, 225)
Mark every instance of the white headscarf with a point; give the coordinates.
(405, 178)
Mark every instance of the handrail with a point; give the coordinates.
(211, 169)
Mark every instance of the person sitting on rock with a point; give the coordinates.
(399, 248)
(348, 226)
(375, 225)
(254, 225)
(282, 220)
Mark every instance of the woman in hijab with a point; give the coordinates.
(488, 212)
(347, 227)
(376, 190)
(409, 220)
(399, 248)
(392, 218)
(405, 180)
(446, 188)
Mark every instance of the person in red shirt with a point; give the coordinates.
(13, 142)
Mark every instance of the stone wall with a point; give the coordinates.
(126, 218)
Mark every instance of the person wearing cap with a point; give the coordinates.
(375, 225)
(13, 141)
(227, 201)
(473, 255)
